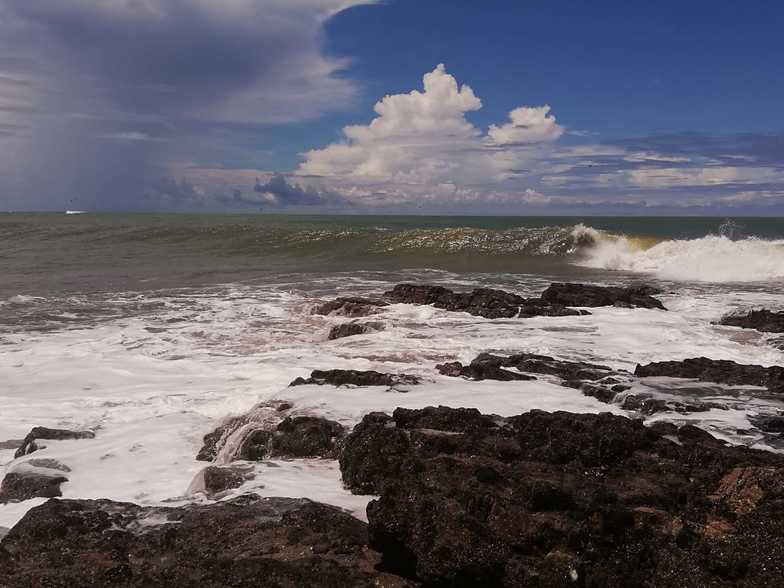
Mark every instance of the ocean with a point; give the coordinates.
(152, 329)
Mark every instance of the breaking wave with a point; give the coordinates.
(713, 258)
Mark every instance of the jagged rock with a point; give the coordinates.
(29, 444)
(563, 499)
(214, 481)
(297, 437)
(248, 541)
(593, 296)
(350, 306)
(264, 416)
(355, 378)
(766, 321)
(719, 371)
(496, 367)
(36, 478)
(352, 329)
(484, 302)
(769, 424)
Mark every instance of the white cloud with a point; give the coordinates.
(527, 125)
(703, 176)
(421, 142)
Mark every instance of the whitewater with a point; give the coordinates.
(150, 332)
(151, 385)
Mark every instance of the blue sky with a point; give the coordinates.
(665, 107)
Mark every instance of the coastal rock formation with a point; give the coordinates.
(592, 296)
(355, 378)
(228, 436)
(39, 478)
(353, 306)
(215, 481)
(248, 541)
(766, 321)
(254, 437)
(560, 499)
(30, 442)
(605, 382)
(297, 437)
(720, 371)
(484, 302)
(494, 304)
(352, 329)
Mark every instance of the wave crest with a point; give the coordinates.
(708, 259)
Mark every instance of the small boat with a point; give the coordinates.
(75, 211)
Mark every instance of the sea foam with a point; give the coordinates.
(707, 259)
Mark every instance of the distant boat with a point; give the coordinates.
(75, 211)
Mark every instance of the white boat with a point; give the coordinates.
(75, 211)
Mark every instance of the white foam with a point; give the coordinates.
(708, 259)
(150, 396)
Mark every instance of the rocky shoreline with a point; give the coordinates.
(459, 498)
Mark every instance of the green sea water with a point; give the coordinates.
(60, 253)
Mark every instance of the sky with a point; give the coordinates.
(393, 106)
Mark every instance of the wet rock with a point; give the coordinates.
(30, 442)
(769, 424)
(487, 366)
(297, 437)
(562, 499)
(352, 329)
(480, 370)
(350, 306)
(592, 296)
(33, 479)
(484, 302)
(719, 371)
(355, 378)
(766, 321)
(234, 430)
(248, 541)
(646, 404)
(215, 482)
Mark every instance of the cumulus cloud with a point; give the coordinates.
(526, 125)
(422, 144)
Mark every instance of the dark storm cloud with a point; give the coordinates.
(119, 88)
(286, 194)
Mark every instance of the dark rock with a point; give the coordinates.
(562, 499)
(496, 367)
(769, 424)
(692, 434)
(25, 484)
(248, 541)
(719, 371)
(352, 329)
(766, 321)
(355, 378)
(593, 296)
(264, 416)
(216, 481)
(484, 302)
(350, 306)
(297, 437)
(30, 443)
(3, 532)
(481, 370)
(601, 393)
